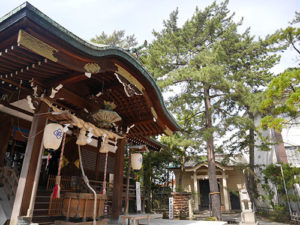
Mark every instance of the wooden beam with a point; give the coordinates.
(68, 78)
(46, 50)
(75, 100)
(118, 181)
(33, 149)
(6, 104)
(14, 83)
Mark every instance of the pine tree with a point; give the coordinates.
(283, 94)
(117, 38)
(194, 57)
(251, 73)
(216, 73)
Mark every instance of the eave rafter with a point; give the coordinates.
(95, 67)
(53, 64)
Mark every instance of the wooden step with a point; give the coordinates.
(40, 212)
(46, 219)
(41, 205)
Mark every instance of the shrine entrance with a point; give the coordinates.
(101, 96)
(235, 201)
(204, 194)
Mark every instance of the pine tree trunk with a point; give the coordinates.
(251, 181)
(179, 188)
(213, 185)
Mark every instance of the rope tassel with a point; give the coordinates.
(56, 190)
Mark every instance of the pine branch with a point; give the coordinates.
(295, 47)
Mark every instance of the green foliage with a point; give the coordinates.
(283, 99)
(278, 213)
(284, 38)
(211, 219)
(208, 52)
(272, 173)
(213, 72)
(117, 38)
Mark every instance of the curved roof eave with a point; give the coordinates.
(29, 11)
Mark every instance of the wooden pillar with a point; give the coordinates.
(225, 192)
(12, 151)
(196, 207)
(32, 152)
(98, 160)
(127, 183)
(5, 134)
(118, 181)
(97, 169)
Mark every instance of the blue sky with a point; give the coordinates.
(86, 18)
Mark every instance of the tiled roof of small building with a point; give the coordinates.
(231, 161)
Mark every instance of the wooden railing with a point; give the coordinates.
(77, 184)
(10, 180)
(56, 206)
(65, 183)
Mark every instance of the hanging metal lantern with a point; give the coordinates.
(53, 134)
(136, 161)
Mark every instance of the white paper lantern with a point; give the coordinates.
(53, 134)
(136, 161)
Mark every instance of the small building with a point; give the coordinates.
(195, 180)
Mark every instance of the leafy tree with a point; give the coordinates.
(155, 167)
(283, 100)
(197, 57)
(250, 77)
(117, 38)
(283, 93)
(289, 36)
(220, 73)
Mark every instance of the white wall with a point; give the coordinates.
(264, 157)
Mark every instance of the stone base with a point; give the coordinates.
(248, 218)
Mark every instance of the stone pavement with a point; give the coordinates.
(237, 218)
(181, 222)
(156, 219)
(195, 222)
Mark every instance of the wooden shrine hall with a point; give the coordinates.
(101, 96)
